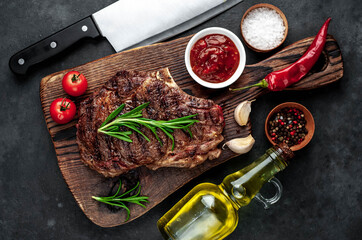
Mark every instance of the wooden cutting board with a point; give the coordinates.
(84, 182)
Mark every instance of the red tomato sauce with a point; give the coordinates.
(214, 58)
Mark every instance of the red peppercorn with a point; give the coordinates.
(292, 133)
(295, 122)
(282, 123)
(273, 138)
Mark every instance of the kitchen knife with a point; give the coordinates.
(124, 23)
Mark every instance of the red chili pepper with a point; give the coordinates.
(279, 80)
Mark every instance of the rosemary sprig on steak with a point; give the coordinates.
(133, 120)
(120, 200)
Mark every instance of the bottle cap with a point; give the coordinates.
(284, 150)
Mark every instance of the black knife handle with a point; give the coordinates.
(52, 45)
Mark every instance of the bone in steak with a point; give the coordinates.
(111, 156)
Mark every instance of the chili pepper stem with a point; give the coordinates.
(263, 83)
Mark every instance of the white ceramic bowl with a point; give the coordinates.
(238, 44)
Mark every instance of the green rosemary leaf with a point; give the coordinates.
(131, 190)
(112, 128)
(168, 129)
(138, 203)
(120, 136)
(189, 131)
(124, 133)
(121, 123)
(136, 110)
(170, 136)
(113, 114)
(136, 130)
(142, 205)
(177, 123)
(153, 129)
(182, 118)
(122, 205)
(119, 189)
(131, 199)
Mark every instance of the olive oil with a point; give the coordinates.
(204, 213)
(209, 211)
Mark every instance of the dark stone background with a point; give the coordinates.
(322, 187)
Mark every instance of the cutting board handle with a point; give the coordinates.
(328, 68)
(21, 61)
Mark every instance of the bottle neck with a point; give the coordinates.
(243, 185)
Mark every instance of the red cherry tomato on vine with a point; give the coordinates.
(74, 83)
(62, 110)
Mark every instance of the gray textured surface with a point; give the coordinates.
(322, 187)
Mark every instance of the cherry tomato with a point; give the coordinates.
(74, 83)
(62, 110)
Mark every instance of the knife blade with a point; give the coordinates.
(188, 24)
(124, 24)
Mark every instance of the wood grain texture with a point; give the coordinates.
(84, 182)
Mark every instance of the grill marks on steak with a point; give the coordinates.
(112, 157)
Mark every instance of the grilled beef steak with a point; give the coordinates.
(112, 157)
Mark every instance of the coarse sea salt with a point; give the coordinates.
(263, 28)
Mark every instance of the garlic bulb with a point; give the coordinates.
(242, 111)
(240, 145)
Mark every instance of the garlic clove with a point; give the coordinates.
(240, 145)
(242, 112)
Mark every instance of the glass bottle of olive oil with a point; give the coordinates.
(209, 211)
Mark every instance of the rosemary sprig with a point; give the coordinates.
(133, 120)
(119, 200)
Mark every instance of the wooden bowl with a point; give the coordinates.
(260, 5)
(310, 126)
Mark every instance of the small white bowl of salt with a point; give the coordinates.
(264, 27)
